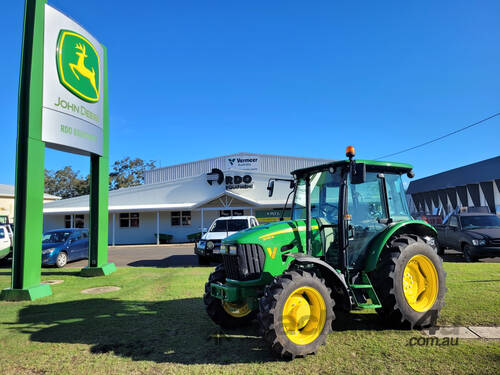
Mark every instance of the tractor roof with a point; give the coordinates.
(382, 166)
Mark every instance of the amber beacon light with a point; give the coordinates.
(349, 152)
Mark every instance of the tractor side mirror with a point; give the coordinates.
(350, 232)
(358, 173)
(270, 187)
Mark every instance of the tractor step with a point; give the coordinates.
(361, 286)
(368, 293)
(369, 306)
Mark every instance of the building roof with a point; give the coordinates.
(272, 164)
(9, 191)
(486, 170)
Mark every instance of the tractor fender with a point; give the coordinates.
(333, 279)
(418, 227)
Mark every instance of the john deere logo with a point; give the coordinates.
(78, 66)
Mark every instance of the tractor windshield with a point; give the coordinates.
(324, 197)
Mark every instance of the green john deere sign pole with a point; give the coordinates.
(63, 104)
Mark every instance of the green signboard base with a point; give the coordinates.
(29, 294)
(98, 271)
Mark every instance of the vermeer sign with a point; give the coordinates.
(248, 163)
(72, 86)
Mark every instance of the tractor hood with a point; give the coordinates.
(249, 235)
(279, 234)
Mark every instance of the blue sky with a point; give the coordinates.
(196, 79)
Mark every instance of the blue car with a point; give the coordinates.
(61, 246)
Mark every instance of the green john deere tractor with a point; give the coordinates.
(351, 244)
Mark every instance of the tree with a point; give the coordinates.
(66, 183)
(128, 172)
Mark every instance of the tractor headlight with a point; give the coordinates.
(201, 245)
(223, 249)
(48, 251)
(233, 250)
(210, 245)
(479, 242)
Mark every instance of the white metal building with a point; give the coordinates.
(182, 199)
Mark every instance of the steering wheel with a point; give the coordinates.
(330, 212)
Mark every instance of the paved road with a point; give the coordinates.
(181, 255)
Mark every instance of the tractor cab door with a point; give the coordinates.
(325, 187)
(366, 206)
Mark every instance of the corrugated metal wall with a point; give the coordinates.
(272, 164)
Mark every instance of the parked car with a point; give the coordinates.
(208, 248)
(476, 235)
(5, 242)
(61, 246)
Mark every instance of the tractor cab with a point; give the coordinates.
(349, 203)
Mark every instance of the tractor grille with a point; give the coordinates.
(246, 265)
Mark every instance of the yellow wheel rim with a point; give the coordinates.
(236, 310)
(420, 283)
(304, 315)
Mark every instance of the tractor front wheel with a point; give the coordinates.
(410, 282)
(225, 314)
(296, 314)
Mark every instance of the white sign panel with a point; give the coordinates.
(72, 115)
(243, 163)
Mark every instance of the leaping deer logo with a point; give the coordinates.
(80, 68)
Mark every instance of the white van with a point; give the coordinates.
(209, 246)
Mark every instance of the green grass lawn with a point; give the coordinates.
(156, 324)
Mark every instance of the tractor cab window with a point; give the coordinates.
(324, 197)
(398, 207)
(365, 205)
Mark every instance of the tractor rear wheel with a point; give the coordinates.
(225, 314)
(410, 282)
(296, 314)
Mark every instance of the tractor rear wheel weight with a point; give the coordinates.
(296, 314)
(410, 282)
(226, 315)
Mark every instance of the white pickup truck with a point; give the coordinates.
(209, 246)
(5, 241)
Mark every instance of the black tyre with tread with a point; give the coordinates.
(214, 307)
(271, 311)
(387, 281)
